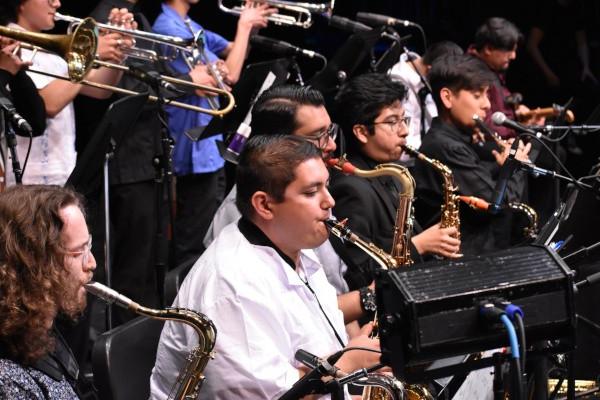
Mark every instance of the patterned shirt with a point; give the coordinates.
(18, 382)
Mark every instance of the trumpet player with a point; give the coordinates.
(198, 164)
(52, 157)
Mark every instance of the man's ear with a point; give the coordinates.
(261, 203)
(361, 133)
(447, 97)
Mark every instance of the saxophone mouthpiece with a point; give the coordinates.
(109, 295)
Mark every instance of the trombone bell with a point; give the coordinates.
(78, 48)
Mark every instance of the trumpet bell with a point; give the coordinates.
(78, 48)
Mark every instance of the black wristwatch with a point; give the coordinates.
(367, 299)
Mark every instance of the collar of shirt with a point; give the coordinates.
(183, 29)
(309, 263)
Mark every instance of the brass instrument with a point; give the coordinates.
(289, 12)
(144, 54)
(378, 386)
(404, 222)
(553, 111)
(399, 257)
(79, 50)
(530, 232)
(190, 379)
(450, 216)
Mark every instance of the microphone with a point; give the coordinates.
(152, 78)
(347, 24)
(500, 119)
(311, 382)
(280, 47)
(379, 19)
(506, 171)
(19, 123)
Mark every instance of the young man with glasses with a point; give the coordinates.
(372, 118)
(45, 261)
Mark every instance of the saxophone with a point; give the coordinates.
(190, 379)
(404, 221)
(450, 207)
(530, 232)
(380, 386)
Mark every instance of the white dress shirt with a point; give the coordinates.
(334, 266)
(264, 311)
(404, 73)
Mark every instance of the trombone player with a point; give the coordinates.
(198, 164)
(52, 157)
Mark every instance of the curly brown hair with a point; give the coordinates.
(33, 280)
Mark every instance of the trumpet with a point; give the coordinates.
(290, 12)
(136, 52)
(79, 51)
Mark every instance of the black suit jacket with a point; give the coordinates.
(370, 205)
(480, 231)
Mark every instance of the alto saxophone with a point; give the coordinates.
(190, 379)
(404, 220)
(450, 216)
(380, 386)
(530, 232)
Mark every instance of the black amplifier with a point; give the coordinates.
(432, 310)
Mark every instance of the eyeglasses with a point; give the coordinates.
(323, 136)
(394, 124)
(85, 253)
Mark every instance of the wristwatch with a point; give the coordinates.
(367, 299)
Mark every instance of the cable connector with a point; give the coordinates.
(490, 312)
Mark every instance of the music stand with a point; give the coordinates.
(245, 92)
(91, 170)
(346, 60)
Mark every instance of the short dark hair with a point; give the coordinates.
(360, 101)
(458, 72)
(275, 109)
(440, 49)
(9, 11)
(268, 163)
(497, 33)
(34, 279)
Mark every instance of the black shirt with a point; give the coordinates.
(480, 231)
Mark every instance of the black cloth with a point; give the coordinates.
(480, 231)
(198, 198)
(370, 205)
(26, 99)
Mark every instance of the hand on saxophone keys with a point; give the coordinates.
(439, 241)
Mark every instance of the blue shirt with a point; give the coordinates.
(190, 157)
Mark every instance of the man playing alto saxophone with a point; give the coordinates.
(369, 110)
(266, 294)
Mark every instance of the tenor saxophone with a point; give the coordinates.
(190, 379)
(450, 216)
(380, 386)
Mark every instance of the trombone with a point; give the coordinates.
(79, 51)
(290, 12)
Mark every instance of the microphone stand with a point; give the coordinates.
(577, 129)
(11, 143)
(163, 177)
